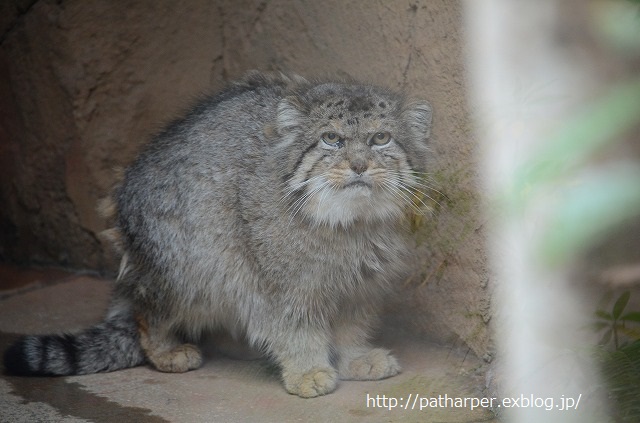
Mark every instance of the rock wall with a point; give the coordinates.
(83, 83)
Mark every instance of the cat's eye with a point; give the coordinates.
(380, 138)
(331, 138)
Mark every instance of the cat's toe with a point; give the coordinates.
(375, 364)
(179, 360)
(315, 382)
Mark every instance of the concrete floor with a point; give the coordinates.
(224, 389)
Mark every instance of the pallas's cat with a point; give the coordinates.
(274, 210)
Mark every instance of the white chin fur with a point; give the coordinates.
(342, 207)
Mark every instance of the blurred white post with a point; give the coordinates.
(524, 83)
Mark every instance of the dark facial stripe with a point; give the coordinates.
(299, 192)
(406, 155)
(308, 174)
(288, 176)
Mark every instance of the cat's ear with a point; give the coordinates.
(289, 117)
(418, 116)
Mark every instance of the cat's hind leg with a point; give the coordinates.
(357, 359)
(165, 350)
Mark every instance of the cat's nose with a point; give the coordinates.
(359, 166)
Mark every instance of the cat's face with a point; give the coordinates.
(352, 153)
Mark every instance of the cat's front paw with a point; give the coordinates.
(315, 382)
(178, 360)
(375, 364)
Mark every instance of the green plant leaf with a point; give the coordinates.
(605, 300)
(621, 303)
(604, 315)
(606, 337)
(620, 373)
(633, 316)
(633, 333)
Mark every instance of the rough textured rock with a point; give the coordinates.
(84, 83)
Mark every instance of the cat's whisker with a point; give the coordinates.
(414, 192)
(295, 187)
(391, 187)
(429, 187)
(298, 185)
(418, 178)
(420, 209)
(412, 188)
(324, 194)
(328, 188)
(301, 202)
(411, 192)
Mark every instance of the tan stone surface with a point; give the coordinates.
(223, 389)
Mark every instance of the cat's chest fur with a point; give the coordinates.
(333, 258)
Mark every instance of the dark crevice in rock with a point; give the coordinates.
(21, 9)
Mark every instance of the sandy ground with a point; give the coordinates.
(225, 389)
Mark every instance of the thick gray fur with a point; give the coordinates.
(242, 217)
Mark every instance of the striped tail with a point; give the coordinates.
(110, 345)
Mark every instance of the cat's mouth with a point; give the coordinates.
(357, 183)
